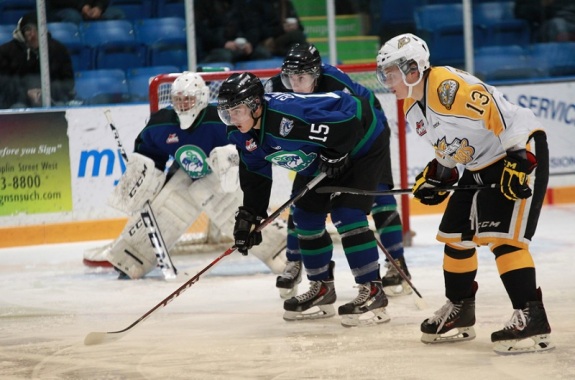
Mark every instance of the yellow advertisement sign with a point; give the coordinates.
(34, 164)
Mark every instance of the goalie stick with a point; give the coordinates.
(96, 337)
(148, 218)
(349, 190)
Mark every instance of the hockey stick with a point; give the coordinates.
(349, 190)
(94, 338)
(420, 302)
(148, 218)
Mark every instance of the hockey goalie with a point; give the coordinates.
(203, 177)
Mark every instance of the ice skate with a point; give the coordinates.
(452, 323)
(316, 303)
(527, 331)
(393, 284)
(368, 308)
(288, 281)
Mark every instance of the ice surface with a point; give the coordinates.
(229, 324)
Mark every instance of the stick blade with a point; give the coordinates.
(96, 337)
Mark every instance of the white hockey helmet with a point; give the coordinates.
(190, 96)
(403, 51)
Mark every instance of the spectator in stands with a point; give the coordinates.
(284, 27)
(77, 11)
(550, 20)
(20, 68)
(231, 31)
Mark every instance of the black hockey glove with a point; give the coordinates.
(244, 235)
(434, 177)
(514, 179)
(333, 167)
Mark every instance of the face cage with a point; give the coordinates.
(185, 103)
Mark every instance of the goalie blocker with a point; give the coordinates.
(179, 203)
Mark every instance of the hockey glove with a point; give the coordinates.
(333, 167)
(429, 182)
(514, 179)
(244, 235)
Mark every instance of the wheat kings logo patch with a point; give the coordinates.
(286, 126)
(446, 92)
(295, 161)
(193, 161)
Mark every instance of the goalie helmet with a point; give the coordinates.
(190, 96)
(302, 58)
(403, 51)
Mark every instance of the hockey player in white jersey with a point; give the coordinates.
(469, 123)
(202, 178)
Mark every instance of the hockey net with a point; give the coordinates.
(201, 234)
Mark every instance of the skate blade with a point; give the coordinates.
(458, 334)
(370, 318)
(316, 312)
(288, 293)
(398, 290)
(537, 343)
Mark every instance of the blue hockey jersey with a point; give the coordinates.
(162, 139)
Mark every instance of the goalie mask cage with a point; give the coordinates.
(201, 232)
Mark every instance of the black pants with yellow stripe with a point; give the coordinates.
(487, 218)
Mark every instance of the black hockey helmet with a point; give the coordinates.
(302, 58)
(241, 88)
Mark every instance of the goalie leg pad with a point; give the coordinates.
(272, 250)
(133, 252)
(220, 207)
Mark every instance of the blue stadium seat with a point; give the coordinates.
(164, 29)
(135, 9)
(139, 79)
(6, 33)
(165, 38)
(441, 26)
(105, 86)
(167, 54)
(114, 44)
(495, 24)
(272, 63)
(12, 10)
(498, 63)
(170, 8)
(68, 34)
(391, 17)
(557, 58)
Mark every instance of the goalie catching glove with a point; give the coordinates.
(516, 169)
(429, 182)
(333, 167)
(244, 235)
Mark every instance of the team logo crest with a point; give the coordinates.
(402, 42)
(285, 127)
(295, 161)
(172, 139)
(251, 145)
(458, 150)
(446, 92)
(420, 128)
(193, 161)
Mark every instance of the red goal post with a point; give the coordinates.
(159, 95)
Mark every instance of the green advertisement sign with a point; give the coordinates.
(34, 164)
